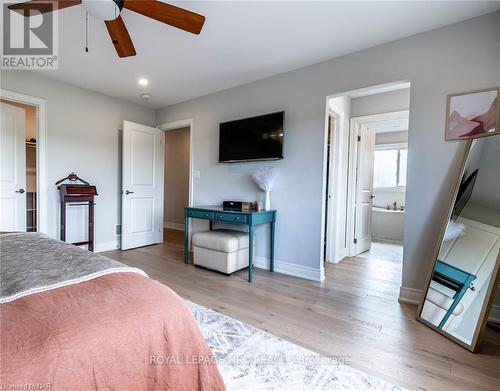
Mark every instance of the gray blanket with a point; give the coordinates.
(32, 263)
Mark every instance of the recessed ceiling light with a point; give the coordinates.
(146, 96)
(143, 82)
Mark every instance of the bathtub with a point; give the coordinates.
(387, 225)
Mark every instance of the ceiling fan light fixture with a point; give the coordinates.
(109, 12)
(103, 9)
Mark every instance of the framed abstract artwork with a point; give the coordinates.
(473, 114)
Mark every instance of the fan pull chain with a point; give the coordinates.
(86, 32)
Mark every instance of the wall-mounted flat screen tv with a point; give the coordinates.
(256, 138)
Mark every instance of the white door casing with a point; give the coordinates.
(364, 189)
(336, 216)
(330, 196)
(12, 169)
(142, 186)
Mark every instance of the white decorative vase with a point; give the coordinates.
(267, 206)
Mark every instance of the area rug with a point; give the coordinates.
(252, 359)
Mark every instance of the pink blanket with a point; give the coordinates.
(121, 331)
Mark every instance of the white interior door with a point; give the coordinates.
(142, 185)
(12, 169)
(364, 190)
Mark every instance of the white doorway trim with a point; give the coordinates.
(369, 90)
(41, 140)
(356, 123)
(183, 124)
(403, 114)
(334, 250)
(331, 211)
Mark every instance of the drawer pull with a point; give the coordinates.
(200, 214)
(230, 217)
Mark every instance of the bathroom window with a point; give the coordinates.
(390, 166)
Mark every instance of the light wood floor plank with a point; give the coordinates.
(354, 313)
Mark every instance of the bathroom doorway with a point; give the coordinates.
(388, 153)
(366, 165)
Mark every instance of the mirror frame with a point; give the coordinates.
(495, 276)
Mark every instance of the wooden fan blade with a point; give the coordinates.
(120, 37)
(33, 7)
(169, 14)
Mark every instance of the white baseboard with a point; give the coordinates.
(388, 241)
(177, 226)
(106, 246)
(495, 313)
(409, 295)
(308, 273)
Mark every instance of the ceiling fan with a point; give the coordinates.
(109, 12)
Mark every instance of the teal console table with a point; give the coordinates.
(249, 218)
(455, 279)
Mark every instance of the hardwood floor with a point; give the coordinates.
(354, 313)
(173, 237)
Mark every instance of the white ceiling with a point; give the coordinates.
(388, 125)
(240, 42)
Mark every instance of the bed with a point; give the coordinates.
(74, 320)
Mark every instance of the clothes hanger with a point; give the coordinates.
(72, 177)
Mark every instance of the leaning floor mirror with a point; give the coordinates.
(463, 281)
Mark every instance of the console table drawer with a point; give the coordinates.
(201, 214)
(231, 217)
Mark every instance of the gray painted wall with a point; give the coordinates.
(434, 63)
(391, 137)
(82, 136)
(381, 103)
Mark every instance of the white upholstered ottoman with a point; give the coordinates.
(223, 250)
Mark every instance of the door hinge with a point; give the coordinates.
(359, 138)
(355, 241)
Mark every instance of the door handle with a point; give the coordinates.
(128, 192)
(20, 191)
(372, 196)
